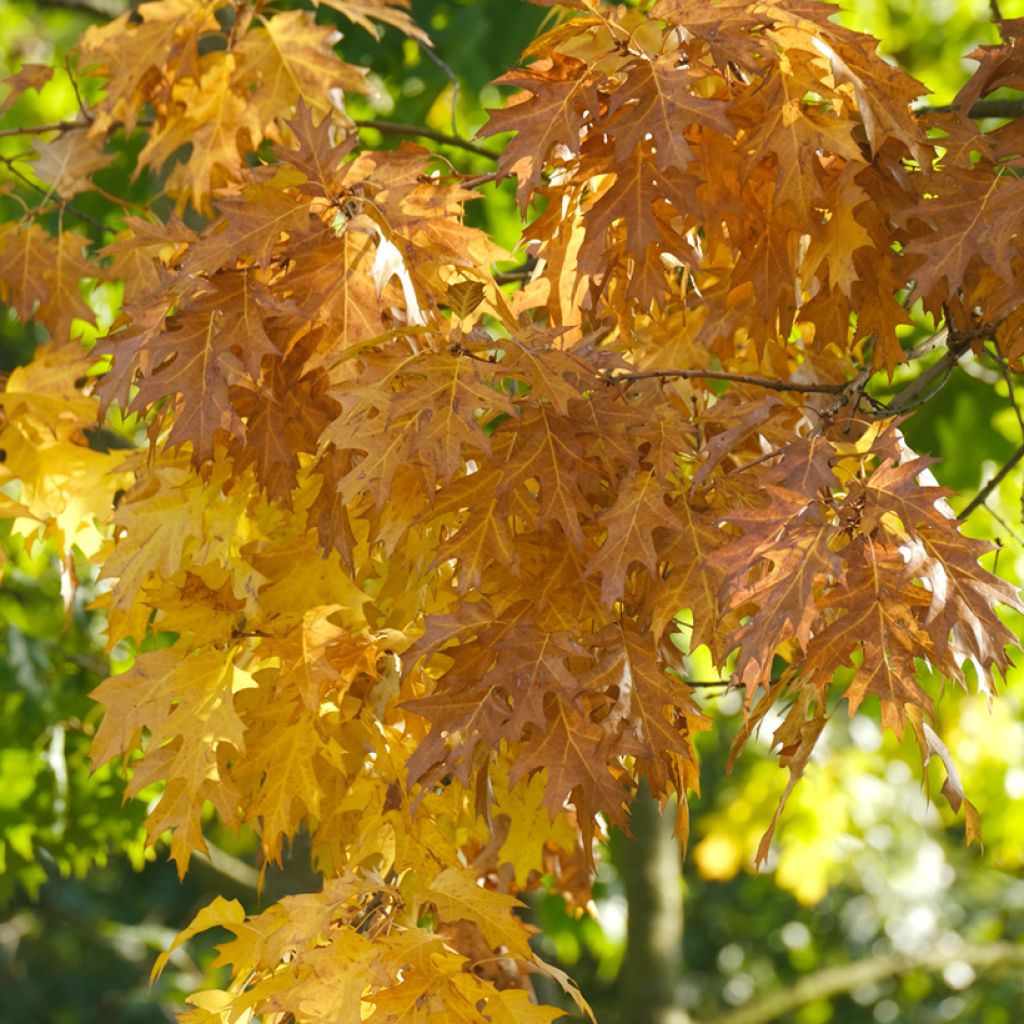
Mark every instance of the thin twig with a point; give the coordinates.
(926, 345)
(763, 457)
(854, 389)
(857, 386)
(926, 386)
(737, 378)
(451, 76)
(1004, 524)
(1008, 377)
(387, 127)
(479, 179)
(43, 129)
(516, 274)
(982, 496)
(396, 128)
(74, 85)
(62, 204)
(9, 162)
(461, 350)
(921, 389)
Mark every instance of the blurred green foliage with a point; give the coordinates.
(863, 868)
(931, 39)
(55, 815)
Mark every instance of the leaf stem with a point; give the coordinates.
(415, 131)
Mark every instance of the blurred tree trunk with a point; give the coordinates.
(653, 963)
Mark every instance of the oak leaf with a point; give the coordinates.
(557, 91)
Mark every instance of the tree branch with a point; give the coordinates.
(983, 108)
(1004, 369)
(63, 204)
(82, 109)
(387, 127)
(737, 378)
(42, 129)
(982, 496)
(926, 386)
(833, 981)
(521, 273)
(415, 131)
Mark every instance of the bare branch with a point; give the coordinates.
(521, 273)
(9, 162)
(923, 347)
(480, 179)
(921, 388)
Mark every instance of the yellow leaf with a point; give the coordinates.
(221, 913)
(289, 58)
(515, 1006)
(457, 897)
(530, 825)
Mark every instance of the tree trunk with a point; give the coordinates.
(653, 963)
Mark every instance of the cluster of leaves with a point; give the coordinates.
(417, 546)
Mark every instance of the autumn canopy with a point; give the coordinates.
(410, 554)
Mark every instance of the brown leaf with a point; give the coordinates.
(30, 76)
(657, 100)
(575, 754)
(557, 90)
(639, 510)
